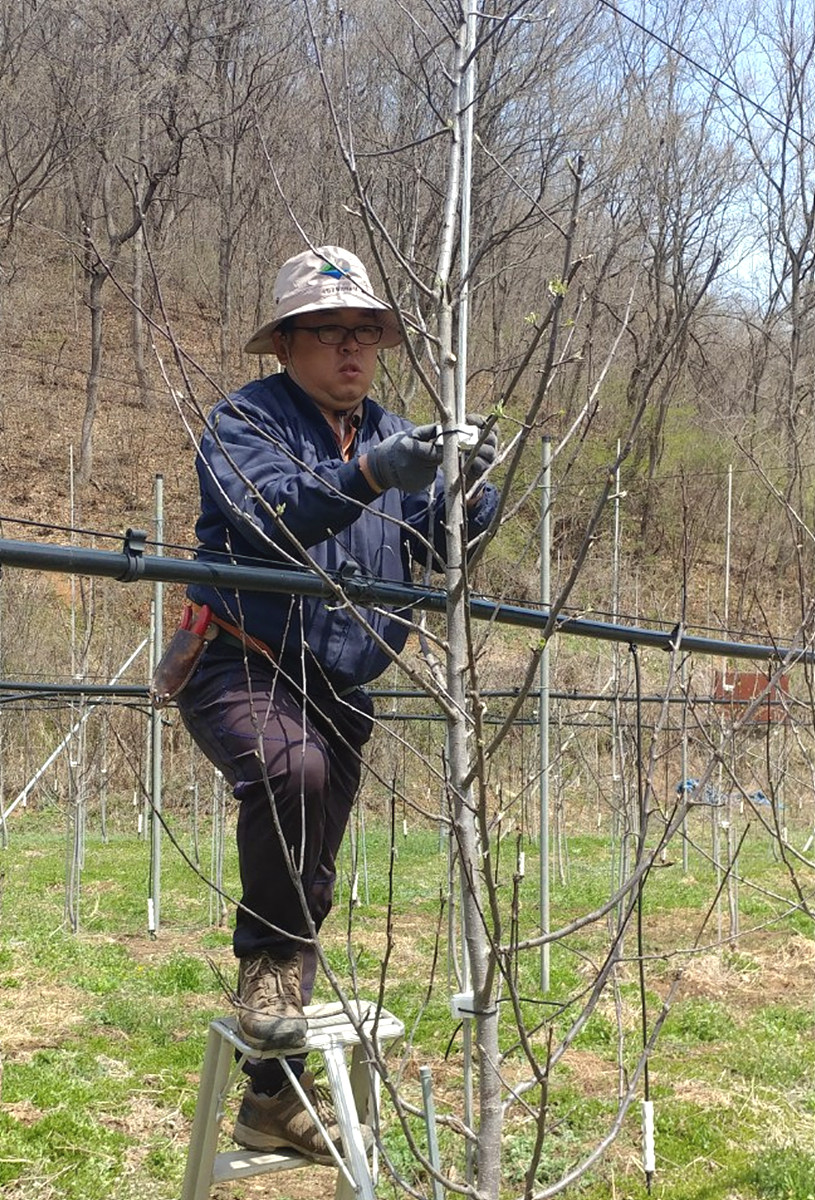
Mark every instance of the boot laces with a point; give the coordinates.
(289, 974)
(320, 1098)
(266, 979)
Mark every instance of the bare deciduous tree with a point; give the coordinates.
(128, 121)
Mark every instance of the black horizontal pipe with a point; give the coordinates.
(131, 565)
(12, 689)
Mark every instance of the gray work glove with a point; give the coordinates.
(407, 460)
(485, 454)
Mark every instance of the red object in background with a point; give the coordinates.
(740, 687)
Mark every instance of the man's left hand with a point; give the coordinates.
(486, 453)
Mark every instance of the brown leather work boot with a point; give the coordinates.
(269, 1122)
(270, 1008)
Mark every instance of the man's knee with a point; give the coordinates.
(294, 770)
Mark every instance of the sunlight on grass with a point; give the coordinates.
(120, 1024)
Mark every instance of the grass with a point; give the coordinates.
(103, 1031)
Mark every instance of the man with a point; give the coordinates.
(298, 469)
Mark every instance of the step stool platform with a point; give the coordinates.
(330, 1032)
(240, 1164)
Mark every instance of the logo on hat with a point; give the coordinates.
(335, 272)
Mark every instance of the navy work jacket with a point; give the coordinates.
(274, 488)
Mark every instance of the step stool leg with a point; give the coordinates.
(360, 1076)
(207, 1120)
(365, 1086)
(345, 1107)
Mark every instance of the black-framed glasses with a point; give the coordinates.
(335, 335)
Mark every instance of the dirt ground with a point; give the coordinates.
(783, 972)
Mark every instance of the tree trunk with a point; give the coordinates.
(137, 324)
(97, 280)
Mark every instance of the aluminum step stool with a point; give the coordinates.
(330, 1032)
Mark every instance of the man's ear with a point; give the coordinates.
(280, 346)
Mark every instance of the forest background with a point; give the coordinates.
(638, 290)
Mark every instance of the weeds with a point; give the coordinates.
(103, 1033)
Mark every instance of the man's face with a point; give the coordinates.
(336, 377)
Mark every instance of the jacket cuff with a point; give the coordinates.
(354, 484)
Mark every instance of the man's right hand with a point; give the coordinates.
(408, 460)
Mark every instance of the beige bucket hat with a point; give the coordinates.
(328, 277)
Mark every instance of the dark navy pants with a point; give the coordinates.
(294, 764)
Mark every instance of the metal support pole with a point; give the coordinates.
(430, 1123)
(615, 608)
(683, 770)
(154, 901)
(467, 1044)
(3, 826)
(619, 817)
(546, 490)
(725, 824)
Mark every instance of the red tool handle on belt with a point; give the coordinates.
(202, 620)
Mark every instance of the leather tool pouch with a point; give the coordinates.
(177, 664)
